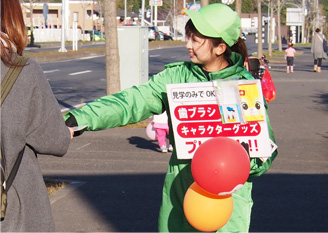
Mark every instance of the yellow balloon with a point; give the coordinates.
(206, 211)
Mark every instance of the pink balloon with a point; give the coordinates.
(220, 166)
(150, 131)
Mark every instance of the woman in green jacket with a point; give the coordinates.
(216, 52)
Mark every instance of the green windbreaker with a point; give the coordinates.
(138, 103)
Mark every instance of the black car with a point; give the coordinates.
(165, 36)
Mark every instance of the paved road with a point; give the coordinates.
(118, 174)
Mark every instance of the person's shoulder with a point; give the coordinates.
(32, 70)
(31, 62)
(32, 65)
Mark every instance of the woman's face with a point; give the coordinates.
(201, 52)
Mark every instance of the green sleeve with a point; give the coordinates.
(125, 107)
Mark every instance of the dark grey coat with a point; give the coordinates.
(317, 46)
(30, 115)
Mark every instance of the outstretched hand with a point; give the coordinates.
(71, 132)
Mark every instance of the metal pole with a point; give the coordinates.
(268, 28)
(303, 21)
(155, 16)
(151, 14)
(175, 21)
(143, 13)
(125, 12)
(62, 48)
(184, 19)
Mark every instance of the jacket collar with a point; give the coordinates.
(232, 72)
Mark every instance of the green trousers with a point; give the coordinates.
(177, 181)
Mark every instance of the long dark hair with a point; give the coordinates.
(13, 31)
(239, 47)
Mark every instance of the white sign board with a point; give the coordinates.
(294, 17)
(200, 111)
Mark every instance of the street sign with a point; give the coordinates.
(155, 3)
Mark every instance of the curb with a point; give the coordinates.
(59, 56)
(69, 187)
(100, 51)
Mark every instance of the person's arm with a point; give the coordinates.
(313, 43)
(46, 129)
(125, 107)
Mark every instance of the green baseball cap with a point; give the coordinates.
(217, 21)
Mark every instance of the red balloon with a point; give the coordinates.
(220, 165)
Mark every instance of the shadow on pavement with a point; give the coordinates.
(290, 203)
(144, 143)
(322, 98)
(282, 202)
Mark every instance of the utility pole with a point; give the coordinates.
(259, 29)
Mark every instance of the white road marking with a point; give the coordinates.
(50, 71)
(83, 146)
(91, 57)
(81, 72)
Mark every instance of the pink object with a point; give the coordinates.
(150, 131)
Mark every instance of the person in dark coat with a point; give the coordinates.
(30, 119)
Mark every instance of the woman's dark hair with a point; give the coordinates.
(239, 47)
(317, 30)
(13, 30)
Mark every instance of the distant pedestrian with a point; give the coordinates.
(290, 36)
(317, 49)
(290, 54)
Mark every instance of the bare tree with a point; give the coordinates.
(279, 4)
(111, 48)
(238, 7)
(238, 10)
(204, 3)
